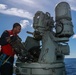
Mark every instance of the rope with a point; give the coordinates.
(6, 60)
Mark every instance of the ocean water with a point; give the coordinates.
(70, 64)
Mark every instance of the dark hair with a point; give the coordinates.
(15, 25)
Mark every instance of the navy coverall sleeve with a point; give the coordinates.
(3, 38)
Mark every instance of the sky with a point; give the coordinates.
(22, 11)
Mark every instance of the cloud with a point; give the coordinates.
(2, 6)
(74, 36)
(27, 8)
(24, 23)
(28, 2)
(15, 12)
(39, 4)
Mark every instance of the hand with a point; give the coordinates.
(8, 39)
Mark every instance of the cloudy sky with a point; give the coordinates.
(22, 11)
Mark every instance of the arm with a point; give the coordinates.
(4, 38)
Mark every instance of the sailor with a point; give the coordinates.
(7, 51)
